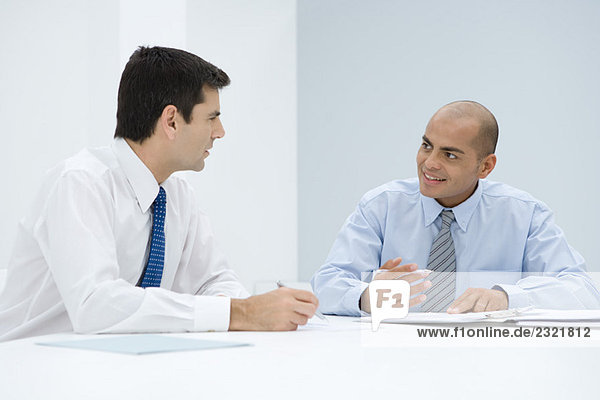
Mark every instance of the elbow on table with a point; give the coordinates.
(97, 312)
(88, 319)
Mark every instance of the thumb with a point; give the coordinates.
(389, 264)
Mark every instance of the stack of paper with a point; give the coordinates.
(530, 317)
(590, 318)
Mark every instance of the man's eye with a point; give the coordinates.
(425, 146)
(451, 156)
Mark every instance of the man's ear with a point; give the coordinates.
(487, 165)
(168, 121)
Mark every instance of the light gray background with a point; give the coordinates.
(371, 74)
(368, 76)
(59, 75)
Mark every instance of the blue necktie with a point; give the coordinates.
(156, 259)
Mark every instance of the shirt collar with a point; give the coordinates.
(462, 212)
(140, 178)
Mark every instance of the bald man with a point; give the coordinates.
(465, 244)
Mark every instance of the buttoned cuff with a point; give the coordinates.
(517, 297)
(212, 313)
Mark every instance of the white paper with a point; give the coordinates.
(530, 317)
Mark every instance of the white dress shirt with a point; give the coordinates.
(82, 248)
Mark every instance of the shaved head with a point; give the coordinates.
(487, 138)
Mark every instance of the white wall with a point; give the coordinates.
(371, 74)
(58, 81)
(249, 186)
(61, 65)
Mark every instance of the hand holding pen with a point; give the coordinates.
(317, 313)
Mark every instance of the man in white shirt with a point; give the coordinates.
(80, 262)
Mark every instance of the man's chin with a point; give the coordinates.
(198, 167)
(427, 192)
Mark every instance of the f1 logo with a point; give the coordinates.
(389, 299)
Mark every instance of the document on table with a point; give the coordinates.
(438, 318)
(590, 318)
(143, 344)
(529, 317)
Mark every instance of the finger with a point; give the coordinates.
(404, 268)
(394, 273)
(460, 298)
(415, 276)
(420, 287)
(283, 324)
(384, 276)
(496, 304)
(388, 275)
(498, 301)
(493, 306)
(462, 305)
(305, 296)
(391, 263)
(417, 300)
(298, 319)
(304, 308)
(289, 326)
(481, 303)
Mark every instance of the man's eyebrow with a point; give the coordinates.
(447, 148)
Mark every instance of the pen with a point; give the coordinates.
(317, 313)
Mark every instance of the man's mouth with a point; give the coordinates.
(433, 178)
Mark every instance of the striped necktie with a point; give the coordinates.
(153, 272)
(442, 262)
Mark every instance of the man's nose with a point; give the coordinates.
(218, 130)
(432, 161)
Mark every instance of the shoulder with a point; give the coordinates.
(89, 167)
(497, 192)
(84, 178)
(405, 189)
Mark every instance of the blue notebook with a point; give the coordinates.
(143, 344)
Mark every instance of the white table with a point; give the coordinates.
(344, 361)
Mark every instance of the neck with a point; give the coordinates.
(149, 152)
(453, 202)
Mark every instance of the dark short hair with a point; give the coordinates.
(156, 77)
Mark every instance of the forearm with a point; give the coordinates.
(119, 307)
(564, 291)
(338, 291)
(223, 283)
(556, 273)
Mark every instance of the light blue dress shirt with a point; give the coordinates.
(503, 237)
